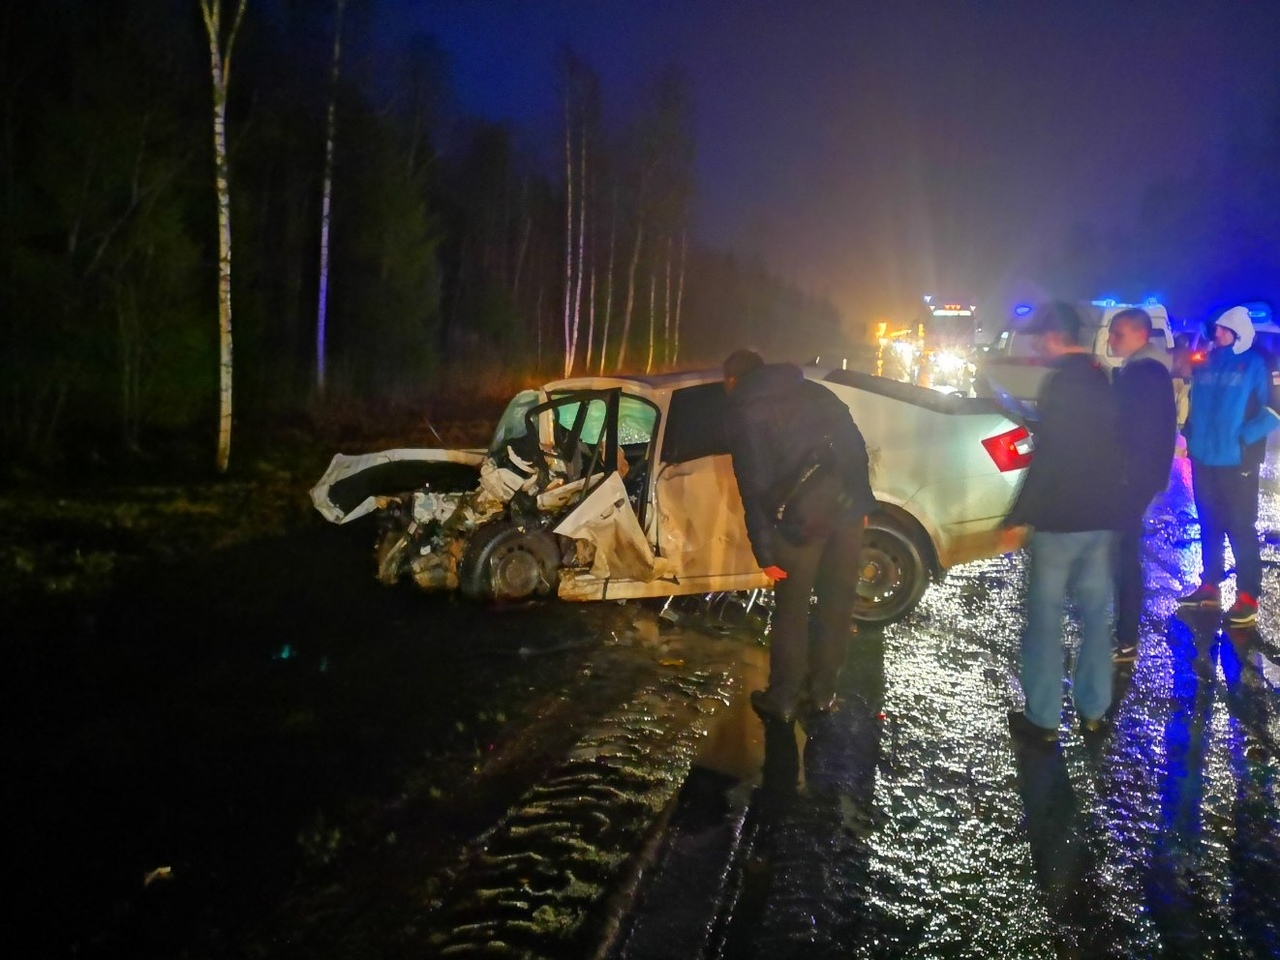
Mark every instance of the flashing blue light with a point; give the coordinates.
(1109, 302)
(1257, 314)
(1151, 302)
(1021, 310)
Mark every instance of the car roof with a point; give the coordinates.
(652, 381)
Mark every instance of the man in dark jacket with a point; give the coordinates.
(780, 427)
(1144, 394)
(1068, 497)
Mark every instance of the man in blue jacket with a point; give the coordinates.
(1070, 499)
(779, 425)
(1226, 435)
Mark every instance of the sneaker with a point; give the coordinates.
(1244, 612)
(1023, 729)
(1094, 726)
(767, 708)
(1204, 596)
(1125, 653)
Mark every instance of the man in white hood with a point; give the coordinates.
(1226, 440)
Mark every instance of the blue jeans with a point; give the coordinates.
(1075, 566)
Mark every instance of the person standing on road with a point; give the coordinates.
(1069, 499)
(802, 471)
(1145, 397)
(1226, 433)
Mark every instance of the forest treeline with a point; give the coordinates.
(458, 259)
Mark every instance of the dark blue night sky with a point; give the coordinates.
(877, 151)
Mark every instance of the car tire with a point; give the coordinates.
(503, 562)
(892, 574)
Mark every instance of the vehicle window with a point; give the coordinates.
(636, 420)
(1022, 345)
(597, 410)
(695, 423)
(511, 425)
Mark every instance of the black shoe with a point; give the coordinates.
(1095, 728)
(1023, 729)
(769, 709)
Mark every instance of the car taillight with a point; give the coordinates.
(1010, 450)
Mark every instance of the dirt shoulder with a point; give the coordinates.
(65, 541)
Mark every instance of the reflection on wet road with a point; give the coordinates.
(909, 824)
(328, 769)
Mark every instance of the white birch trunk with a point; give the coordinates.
(582, 260)
(684, 250)
(220, 67)
(568, 242)
(322, 304)
(608, 286)
(631, 296)
(653, 289)
(666, 311)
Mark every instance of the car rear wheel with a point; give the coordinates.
(892, 575)
(503, 562)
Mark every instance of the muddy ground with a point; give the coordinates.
(226, 739)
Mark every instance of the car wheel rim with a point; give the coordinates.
(516, 572)
(881, 576)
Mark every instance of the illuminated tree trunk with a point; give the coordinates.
(684, 251)
(666, 309)
(220, 66)
(653, 320)
(608, 287)
(322, 305)
(582, 239)
(568, 225)
(631, 295)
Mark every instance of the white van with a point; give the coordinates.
(1013, 369)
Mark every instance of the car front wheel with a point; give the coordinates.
(892, 575)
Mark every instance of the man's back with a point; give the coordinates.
(1072, 483)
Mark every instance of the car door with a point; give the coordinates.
(699, 524)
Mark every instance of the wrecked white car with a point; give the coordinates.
(622, 487)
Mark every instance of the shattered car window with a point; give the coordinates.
(636, 420)
(512, 425)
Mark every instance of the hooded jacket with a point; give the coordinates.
(775, 420)
(1230, 393)
(1143, 389)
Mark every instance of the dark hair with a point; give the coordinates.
(1134, 316)
(740, 363)
(1058, 316)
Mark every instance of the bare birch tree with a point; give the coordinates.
(608, 288)
(322, 304)
(220, 67)
(684, 252)
(631, 293)
(568, 224)
(653, 289)
(666, 308)
(571, 349)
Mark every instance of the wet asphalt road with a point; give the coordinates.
(320, 767)
(912, 825)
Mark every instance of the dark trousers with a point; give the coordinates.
(1130, 583)
(1227, 505)
(804, 661)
